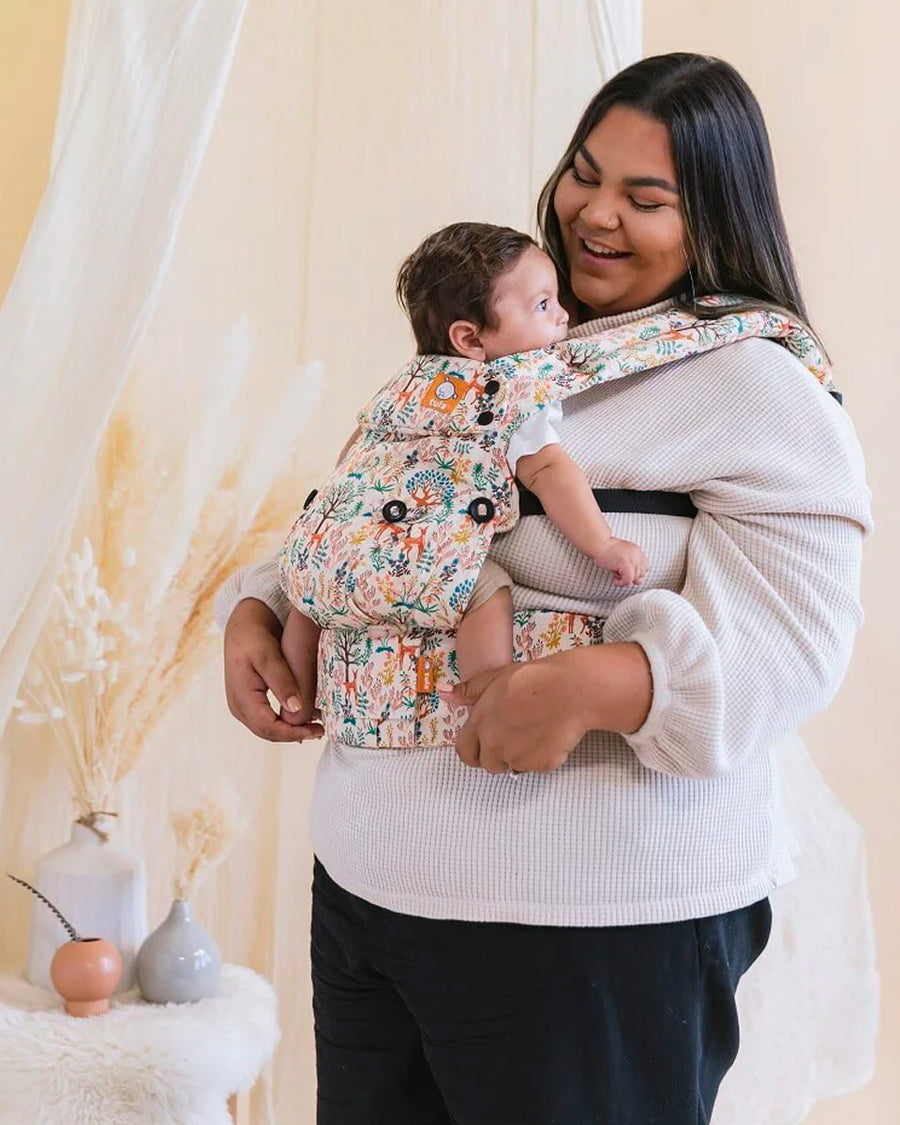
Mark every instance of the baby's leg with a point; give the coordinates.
(484, 636)
(300, 646)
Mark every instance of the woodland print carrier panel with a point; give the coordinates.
(386, 556)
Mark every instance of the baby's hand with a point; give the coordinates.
(626, 560)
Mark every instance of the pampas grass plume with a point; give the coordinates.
(161, 531)
(204, 836)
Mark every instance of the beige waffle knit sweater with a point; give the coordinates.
(748, 618)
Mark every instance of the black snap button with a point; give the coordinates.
(485, 418)
(481, 509)
(394, 511)
(492, 386)
(310, 498)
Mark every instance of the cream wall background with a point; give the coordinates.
(502, 107)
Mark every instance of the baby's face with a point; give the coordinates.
(526, 307)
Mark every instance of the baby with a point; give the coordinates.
(480, 291)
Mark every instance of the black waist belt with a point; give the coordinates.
(623, 500)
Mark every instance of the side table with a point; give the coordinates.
(140, 1064)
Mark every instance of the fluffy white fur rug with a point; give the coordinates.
(140, 1064)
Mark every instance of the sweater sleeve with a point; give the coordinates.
(760, 636)
(261, 582)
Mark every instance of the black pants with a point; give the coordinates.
(424, 1022)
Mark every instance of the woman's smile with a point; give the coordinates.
(596, 253)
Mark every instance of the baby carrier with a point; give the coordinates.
(385, 556)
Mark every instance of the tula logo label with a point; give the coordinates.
(445, 393)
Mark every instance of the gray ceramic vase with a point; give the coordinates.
(179, 962)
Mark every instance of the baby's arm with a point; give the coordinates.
(566, 496)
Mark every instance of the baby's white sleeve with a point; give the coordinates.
(534, 434)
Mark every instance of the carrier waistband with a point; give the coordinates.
(377, 688)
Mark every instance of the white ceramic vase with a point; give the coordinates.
(101, 889)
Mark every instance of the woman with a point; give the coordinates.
(565, 946)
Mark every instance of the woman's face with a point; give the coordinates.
(620, 215)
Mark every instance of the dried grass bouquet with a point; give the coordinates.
(176, 505)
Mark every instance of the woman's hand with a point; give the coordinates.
(531, 716)
(254, 665)
(521, 718)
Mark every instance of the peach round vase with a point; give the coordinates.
(85, 974)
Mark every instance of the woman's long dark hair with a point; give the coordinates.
(723, 162)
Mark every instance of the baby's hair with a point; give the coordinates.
(451, 276)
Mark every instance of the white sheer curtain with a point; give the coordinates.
(141, 91)
(617, 32)
(809, 1006)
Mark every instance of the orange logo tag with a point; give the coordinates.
(445, 393)
(425, 674)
